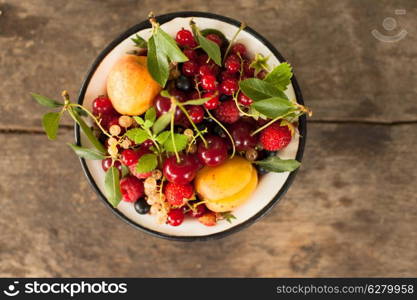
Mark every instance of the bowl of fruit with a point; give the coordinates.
(189, 125)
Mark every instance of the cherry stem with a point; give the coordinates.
(93, 117)
(270, 122)
(225, 130)
(242, 26)
(193, 124)
(172, 133)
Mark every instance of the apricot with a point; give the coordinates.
(130, 86)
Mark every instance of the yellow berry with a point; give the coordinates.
(115, 130)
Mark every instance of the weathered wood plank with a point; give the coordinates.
(345, 73)
(352, 211)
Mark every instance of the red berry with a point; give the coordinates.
(247, 69)
(175, 217)
(102, 106)
(198, 211)
(227, 112)
(213, 102)
(208, 219)
(205, 70)
(241, 134)
(190, 53)
(147, 144)
(203, 59)
(215, 38)
(226, 75)
(215, 152)
(193, 95)
(238, 48)
(181, 172)
(244, 100)
(229, 86)
(196, 113)
(129, 157)
(178, 194)
(185, 38)
(232, 66)
(208, 82)
(179, 95)
(131, 188)
(140, 152)
(261, 74)
(275, 137)
(107, 163)
(162, 104)
(190, 68)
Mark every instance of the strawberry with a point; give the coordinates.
(131, 188)
(227, 112)
(275, 137)
(208, 219)
(178, 194)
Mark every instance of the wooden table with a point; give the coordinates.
(352, 210)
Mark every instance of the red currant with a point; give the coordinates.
(196, 113)
(215, 38)
(215, 152)
(185, 38)
(239, 48)
(102, 106)
(175, 217)
(190, 68)
(229, 86)
(208, 82)
(244, 100)
(213, 102)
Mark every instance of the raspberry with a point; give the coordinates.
(131, 188)
(275, 137)
(178, 194)
(227, 112)
(208, 219)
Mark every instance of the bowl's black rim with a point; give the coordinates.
(302, 126)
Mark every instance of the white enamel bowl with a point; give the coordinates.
(271, 186)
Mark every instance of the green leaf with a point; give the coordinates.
(196, 101)
(139, 42)
(258, 89)
(151, 114)
(180, 140)
(211, 48)
(162, 122)
(50, 123)
(45, 101)
(80, 111)
(147, 163)
(280, 76)
(138, 135)
(157, 63)
(165, 94)
(139, 120)
(167, 45)
(228, 216)
(276, 164)
(274, 107)
(87, 153)
(112, 186)
(125, 170)
(162, 137)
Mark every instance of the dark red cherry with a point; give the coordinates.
(182, 171)
(106, 164)
(162, 105)
(215, 38)
(241, 133)
(215, 152)
(102, 106)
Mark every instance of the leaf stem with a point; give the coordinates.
(93, 117)
(225, 130)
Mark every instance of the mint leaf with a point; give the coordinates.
(180, 140)
(280, 76)
(137, 135)
(161, 122)
(45, 101)
(139, 120)
(146, 163)
(87, 153)
(112, 186)
(167, 45)
(151, 114)
(162, 137)
(50, 123)
(276, 164)
(157, 63)
(258, 89)
(196, 101)
(211, 48)
(274, 107)
(125, 170)
(139, 42)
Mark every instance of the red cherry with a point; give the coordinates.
(208, 82)
(190, 53)
(175, 217)
(247, 70)
(238, 48)
(162, 105)
(215, 38)
(241, 133)
(244, 100)
(199, 211)
(102, 106)
(109, 120)
(190, 68)
(203, 59)
(129, 157)
(232, 66)
(229, 86)
(106, 164)
(196, 113)
(185, 37)
(131, 188)
(205, 70)
(215, 153)
(213, 102)
(181, 172)
(179, 95)
(226, 75)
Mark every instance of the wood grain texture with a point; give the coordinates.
(344, 72)
(352, 211)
